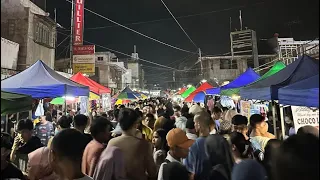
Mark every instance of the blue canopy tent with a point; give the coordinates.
(302, 93)
(245, 78)
(267, 89)
(40, 81)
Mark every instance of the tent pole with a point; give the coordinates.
(6, 124)
(274, 118)
(282, 122)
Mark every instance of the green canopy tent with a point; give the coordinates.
(275, 68)
(13, 103)
(188, 91)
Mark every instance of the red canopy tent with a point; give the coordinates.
(182, 90)
(199, 93)
(93, 86)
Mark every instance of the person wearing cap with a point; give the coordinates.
(179, 145)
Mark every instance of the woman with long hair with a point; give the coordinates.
(160, 145)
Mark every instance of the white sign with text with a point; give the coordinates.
(303, 116)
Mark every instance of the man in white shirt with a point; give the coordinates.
(179, 148)
(180, 120)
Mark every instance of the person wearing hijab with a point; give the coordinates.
(39, 167)
(219, 162)
(248, 170)
(110, 165)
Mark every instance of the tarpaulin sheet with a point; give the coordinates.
(302, 93)
(40, 81)
(267, 89)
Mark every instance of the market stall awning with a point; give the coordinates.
(127, 93)
(182, 90)
(275, 68)
(199, 94)
(40, 81)
(302, 93)
(188, 92)
(13, 103)
(267, 89)
(243, 79)
(93, 86)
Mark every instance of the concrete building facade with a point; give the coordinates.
(289, 49)
(28, 25)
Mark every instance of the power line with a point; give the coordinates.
(179, 17)
(178, 23)
(124, 53)
(141, 34)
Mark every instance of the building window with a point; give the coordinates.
(11, 27)
(43, 35)
(228, 64)
(100, 58)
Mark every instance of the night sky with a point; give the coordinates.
(209, 31)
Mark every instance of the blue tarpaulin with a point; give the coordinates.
(302, 93)
(267, 89)
(40, 81)
(245, 78)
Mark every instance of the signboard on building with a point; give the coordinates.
(84, 68)
(78, 22)
(303, 116)
(84, 59)
(9, 54)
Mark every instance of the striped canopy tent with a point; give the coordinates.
(123, 101)
(182, 90)
(187, 92)
(199, 94)
(127, 93)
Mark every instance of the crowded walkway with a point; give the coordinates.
(157, 139)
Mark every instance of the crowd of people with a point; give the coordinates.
(157, 139)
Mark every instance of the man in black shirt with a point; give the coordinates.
(80, 124)
(8, 170)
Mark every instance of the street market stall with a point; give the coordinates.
(13, 103)
(267, 89)
(243, 79)
(188, 91)
(199, 94)
(302, 93)
(40, 81)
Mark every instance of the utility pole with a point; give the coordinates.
(71, 35)
(200, 57)
(240, 18)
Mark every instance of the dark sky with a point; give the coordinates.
(209, 31)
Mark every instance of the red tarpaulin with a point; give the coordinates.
(182, 90)
(199, 94)
(93, 86)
